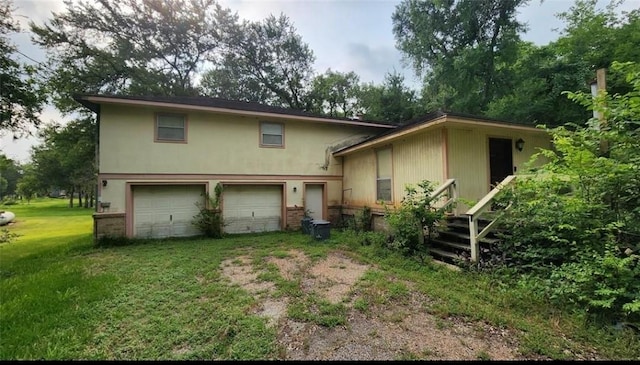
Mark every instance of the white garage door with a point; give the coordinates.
(249, 208)
(166, 211)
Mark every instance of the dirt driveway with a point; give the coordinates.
(384, 331)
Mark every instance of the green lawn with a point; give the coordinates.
(64, 298)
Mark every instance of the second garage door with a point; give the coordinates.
(252, 208)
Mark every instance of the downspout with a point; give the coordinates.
(97, 157)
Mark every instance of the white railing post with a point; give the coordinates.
(473, 238)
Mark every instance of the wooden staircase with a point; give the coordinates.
(451, 242)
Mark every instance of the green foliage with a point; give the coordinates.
(264, 61)
(21, 96)
(574, 224)
(415, 216)
(392, 101)
(6, 236)
(135, 47)
(335, 94)
(65, 159)
(209, 219)
(461, 47)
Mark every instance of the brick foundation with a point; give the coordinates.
(108, 225)
(294, 216)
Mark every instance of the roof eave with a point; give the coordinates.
(92, 102)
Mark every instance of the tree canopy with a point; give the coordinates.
(21, 97)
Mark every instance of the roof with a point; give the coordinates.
(428, 120)
(92, 102)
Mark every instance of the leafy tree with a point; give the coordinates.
(391, 101)
(30, 185)
(461, 47)
(139, 47)
(21, 98)
(535, 90)
(265, 62)
(10, 173)
(336, 94)
(66, 159)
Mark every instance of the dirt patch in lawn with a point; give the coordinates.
(396, 330)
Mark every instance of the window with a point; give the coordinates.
(383, 171)
(271, 134)
(171, 128)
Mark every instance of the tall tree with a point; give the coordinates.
(142, 47)
(21, 97)
(460, 46)
(10, 173)
(392, 101)
(336, 94)
(66, 159)
(593, 38)
(265, 62)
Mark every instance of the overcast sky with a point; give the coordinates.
(345, 35)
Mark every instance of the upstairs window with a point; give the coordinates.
(383, 174)
(271, 134)
(171, 128)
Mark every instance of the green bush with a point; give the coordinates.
(209, 219)
(415, 216)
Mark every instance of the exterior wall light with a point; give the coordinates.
(295, 189)
(104, 182)
(520, 144)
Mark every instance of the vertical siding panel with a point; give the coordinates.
(359, 179)
(417, 158)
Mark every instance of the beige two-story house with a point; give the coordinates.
(159, 157)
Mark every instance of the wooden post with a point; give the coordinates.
(473, 234)
(602, 86)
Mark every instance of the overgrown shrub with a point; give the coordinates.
(574, 224)
(209, 219)
(416, 216)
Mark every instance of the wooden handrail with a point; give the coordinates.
(449, 187)
(477, 210)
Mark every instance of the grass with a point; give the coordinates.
(62, 297)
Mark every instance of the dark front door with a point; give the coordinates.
(500, 159)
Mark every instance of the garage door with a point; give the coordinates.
(249, 208)
(166, 211)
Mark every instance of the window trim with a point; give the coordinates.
(156, 137)
(390, 178)
(261, 135)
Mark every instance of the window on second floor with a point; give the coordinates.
(271, 134)
(383, 174)
(171, 127)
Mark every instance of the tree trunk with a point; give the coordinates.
(86, 200)
(80, 199)
(71, 198)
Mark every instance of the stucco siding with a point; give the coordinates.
(218, 143)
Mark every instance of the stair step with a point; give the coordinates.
(465, 236)
(443, 253)
(460, 246)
